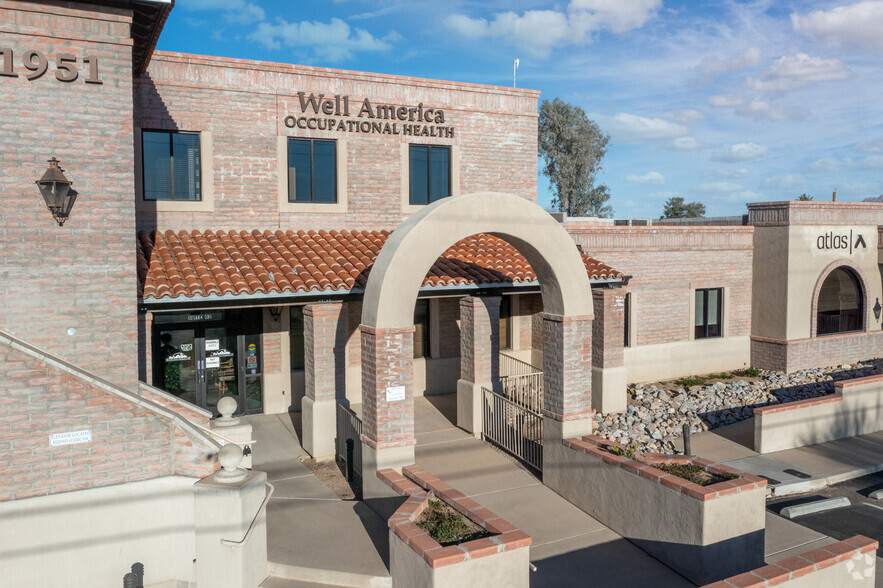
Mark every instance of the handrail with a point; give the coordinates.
(510, 364)
(257, 515)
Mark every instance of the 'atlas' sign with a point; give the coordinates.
(830, 240)
(382, 119)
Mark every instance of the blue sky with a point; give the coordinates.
(719, 102)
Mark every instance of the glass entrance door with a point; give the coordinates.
(199, 364)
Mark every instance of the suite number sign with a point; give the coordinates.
(33, 64)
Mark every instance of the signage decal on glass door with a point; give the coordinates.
(212, 344)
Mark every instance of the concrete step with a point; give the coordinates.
(305, 576)
(276, 582)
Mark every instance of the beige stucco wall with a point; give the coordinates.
(93, 537)
(648, 363)
(859, 413)
(787, 266)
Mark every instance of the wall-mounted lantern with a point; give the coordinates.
(56, 191)
(275, 312)
(877, 309)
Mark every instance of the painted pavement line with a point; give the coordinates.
(552, 542)
(799, 545)
(873, 505)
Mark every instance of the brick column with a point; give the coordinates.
(479, 357)
(567, 390)
(324, 371)
(608, 370)
(387, 403)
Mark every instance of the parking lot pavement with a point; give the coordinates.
(864, 515)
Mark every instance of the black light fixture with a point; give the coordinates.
(877, 309)
(275, 312)
(56, 191)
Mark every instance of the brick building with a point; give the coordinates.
(229, 215)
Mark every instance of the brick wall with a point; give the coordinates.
(80, 276)
(829, 350)
(271, 342)
(531, 326)
(387, 361)
(448, 327)
(128, 443)
(667, 264)
(244, 105)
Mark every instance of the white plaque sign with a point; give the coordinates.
(212, 344)
(395, 393)
(212, 362)
(70, 438)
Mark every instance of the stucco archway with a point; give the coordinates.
(388, 307)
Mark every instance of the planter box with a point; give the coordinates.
(851, 562)
(415, 559)
(705, 533)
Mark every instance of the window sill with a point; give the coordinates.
(174, 206)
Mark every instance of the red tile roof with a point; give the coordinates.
(174, 264)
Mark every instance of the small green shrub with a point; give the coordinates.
(629, 451)
(693, 473)
(687, 382)
(447, 526)
(748, 372)
(720, 376)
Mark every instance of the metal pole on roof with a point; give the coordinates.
(514, 70)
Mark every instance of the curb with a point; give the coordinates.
(791, 512)
(331, 577)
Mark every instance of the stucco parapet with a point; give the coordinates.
(416, 483)
(596, 240)
(814, 213)
(774, 408)
(859, 381)
(601, 448)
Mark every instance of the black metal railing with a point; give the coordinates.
(349, 428)
(513, 428)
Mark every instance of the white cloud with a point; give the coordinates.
(792, 182)
(734, 173)
(763, 110)
(828, 165)
(725, 100)
(233, 11)
(685, 115)
(631, 128)
(713, 66)
(741, 152)
(652, 177)
(686, 144)
(797, 71)
(855, 26)
(334, 41)
(541, 31)
(870, 146)
(718, 187)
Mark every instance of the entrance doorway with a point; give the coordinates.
(207, 357)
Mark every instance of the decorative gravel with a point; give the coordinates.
(657, 412)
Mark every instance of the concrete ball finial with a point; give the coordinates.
(227, 405)
(230, 456)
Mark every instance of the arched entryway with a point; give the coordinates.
(387, 322)
(840, 303)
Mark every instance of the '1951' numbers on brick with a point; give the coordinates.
(36, 64)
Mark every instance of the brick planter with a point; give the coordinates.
(416, 559)
(705, 533)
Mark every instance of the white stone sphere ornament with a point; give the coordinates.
(230, 456)
(227, 405)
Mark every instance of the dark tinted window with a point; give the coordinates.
(840, 304)
(312, 171)
(170, 165)
(430, 173)
(708, 313)
(421, 329)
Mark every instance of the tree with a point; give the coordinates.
(572, 146)
(675, 207)
(804, 197)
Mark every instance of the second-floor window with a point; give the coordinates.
(312, 171)
(171, 165)
(429, 167)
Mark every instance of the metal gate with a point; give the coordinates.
(349, 426)
(514, 428)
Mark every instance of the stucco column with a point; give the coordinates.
(608, 371)
(479, 357)
(324, 375)
(387, 404)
